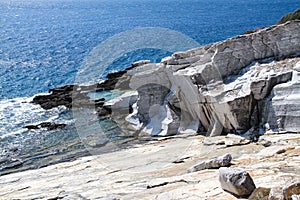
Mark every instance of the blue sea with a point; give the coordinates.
(43, 44)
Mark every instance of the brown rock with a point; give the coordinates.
(260, 193)
(290, 190)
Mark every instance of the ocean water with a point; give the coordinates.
(43, 44)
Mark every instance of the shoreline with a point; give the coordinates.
(215, 89)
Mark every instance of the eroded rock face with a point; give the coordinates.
(245, 82)
(285, 104)
(229, 86)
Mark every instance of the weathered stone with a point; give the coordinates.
(236, 181)
(225, 86)
(285, 104)
(127, 173)
(215, 163)
(260, 193)
(276, 194)
(229, 86)
(291, 189)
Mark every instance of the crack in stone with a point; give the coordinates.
(170, 182)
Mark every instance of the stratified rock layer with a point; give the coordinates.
(286, 103)
(229, 86)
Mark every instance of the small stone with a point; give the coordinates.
(236, 181)
(264, 143)
(260, 194)
(222, 161)
(290, 190)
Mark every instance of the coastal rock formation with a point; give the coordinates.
(249, 81)
(77, 95)
(245, 84)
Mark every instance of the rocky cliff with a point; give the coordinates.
(245, 83)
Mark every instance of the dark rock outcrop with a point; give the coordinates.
(47, 125)
(76, 96)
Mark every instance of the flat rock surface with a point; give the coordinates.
(156, 170)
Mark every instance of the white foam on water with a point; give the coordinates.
(19, 112)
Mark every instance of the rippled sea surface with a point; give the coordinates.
(43, 44)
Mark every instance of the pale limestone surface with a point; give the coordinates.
(158, 170)
(248, 81)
